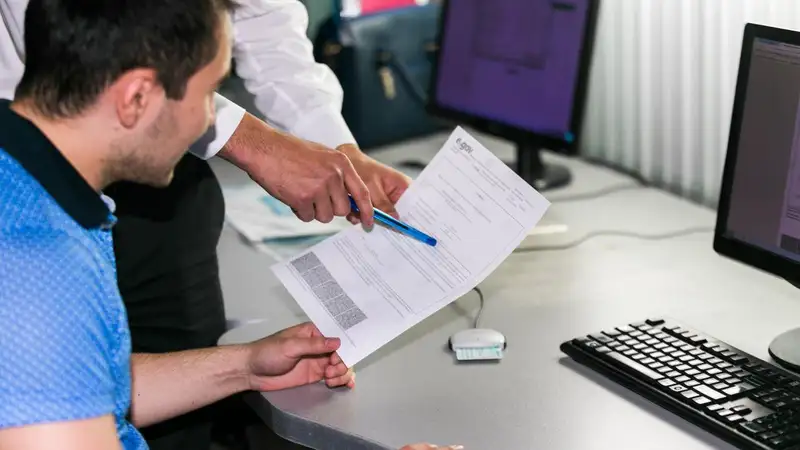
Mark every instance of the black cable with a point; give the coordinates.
(480, 310)
(618, 233)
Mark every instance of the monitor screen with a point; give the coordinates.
(516, 62)
(764, 202)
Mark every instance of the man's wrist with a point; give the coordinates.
(350, 150)
(239, 357)
(249, 142)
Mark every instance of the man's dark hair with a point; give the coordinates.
(74, 49)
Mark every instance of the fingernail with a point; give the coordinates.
(332, 342)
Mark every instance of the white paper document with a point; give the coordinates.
(260, 217)
(369, 287)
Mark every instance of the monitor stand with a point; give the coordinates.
(785, 349)
(531, 168)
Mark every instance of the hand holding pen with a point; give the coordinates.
(397, 225)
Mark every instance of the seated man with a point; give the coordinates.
(67, 378)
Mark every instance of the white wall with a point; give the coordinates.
(662, 85)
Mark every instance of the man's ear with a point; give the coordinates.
(135, 93)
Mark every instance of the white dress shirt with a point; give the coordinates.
(273, 56)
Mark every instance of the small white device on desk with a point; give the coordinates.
(477, 344)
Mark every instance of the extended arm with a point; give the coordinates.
(171, 384)
(168, 385)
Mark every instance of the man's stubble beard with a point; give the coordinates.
(144, 161)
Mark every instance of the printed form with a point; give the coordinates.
(369, 287)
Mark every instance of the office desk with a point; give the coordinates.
(414, 390)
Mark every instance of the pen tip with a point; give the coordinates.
(431, 242)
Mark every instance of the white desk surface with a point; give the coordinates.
(413, 389)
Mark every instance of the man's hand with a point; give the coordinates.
(385, 184)
(310, 178)
(297, 356)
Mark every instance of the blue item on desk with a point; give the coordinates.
(395, 224)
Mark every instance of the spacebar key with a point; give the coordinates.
(635, 366)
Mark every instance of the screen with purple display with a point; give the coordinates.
(516, 62)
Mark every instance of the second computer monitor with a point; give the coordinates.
(758, 221)
(517, 69)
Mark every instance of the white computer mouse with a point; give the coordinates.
(478, 343)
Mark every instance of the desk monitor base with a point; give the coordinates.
(785, 350)
(531, 168)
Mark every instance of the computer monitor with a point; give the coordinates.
(517, 69)
(758, 221)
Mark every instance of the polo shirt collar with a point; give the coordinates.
(43, 161)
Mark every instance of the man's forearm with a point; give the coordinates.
(170, 384)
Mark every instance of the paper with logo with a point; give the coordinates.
(368, 287)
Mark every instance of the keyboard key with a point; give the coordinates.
(752, 428)
(738, 359)
(662, 336)
(708, 392)
(647, 361)
(686, 358)
(690, 394)
(602, 349)
(664, 369)
(631, 364)
(654, 322)
(622, 348)
(677, 388)
(670, 350)
(601, 338)
(711, 381)
(625, 329)
(721, 386)
(697, 340)
(655, 365)
(635, 333)
(696, 362)
(653, 341)
(741, 409)
(704, 367)
(705, 357)
(713, 408)
(683, 368)
(714, 371)
(738, 389)
(612, 333)
(670, 340)
(639, 346)
(660, 346)
(682, 379)
(665, 359)
(724, 413)
(702, 377)
(734, 418)
(691, 383)
(717, 362)
(648, 351)
(630, 352)
(692, 372)
(657, 355)
(673, 374)
(654, 332)
(638, 357)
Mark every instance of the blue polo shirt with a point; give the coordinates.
(64, 341)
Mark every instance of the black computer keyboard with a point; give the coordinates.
(742, 399)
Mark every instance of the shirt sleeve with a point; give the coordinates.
(55, 341)
(228, 116)
(275, 59)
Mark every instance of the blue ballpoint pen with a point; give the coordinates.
(395, 224)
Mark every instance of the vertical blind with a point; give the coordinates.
(662, 84)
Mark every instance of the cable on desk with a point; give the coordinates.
(598, 193)
(618, 233)
(480, 310)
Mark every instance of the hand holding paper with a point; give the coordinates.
(366, 288)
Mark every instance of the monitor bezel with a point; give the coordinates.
(512, 132)
(724, 244)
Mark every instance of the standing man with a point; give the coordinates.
(166, 238)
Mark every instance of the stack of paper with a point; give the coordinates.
(369, 287)
(260, 217)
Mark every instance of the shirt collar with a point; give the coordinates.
(43, 161)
